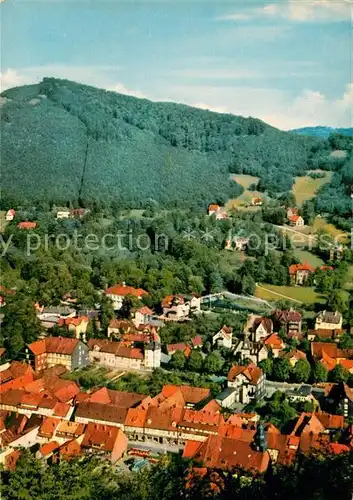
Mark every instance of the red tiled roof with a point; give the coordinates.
(101, 436)
(294, 353)
(319, 348)
(197, 341)
(136, 417)
(288, 316)
(145, 310)
(48, 448)
(103, 412)
(274, 341)
(251, 372)
(327, 334)
(300, 267)
(73, 321)
(27, 225)
(170, 299)
(191, 395)
(330, 421)
(119, 398)
(213, 208)
(123, 290)
(176, 347)
(225, 453)
(48, 426)
(265, 322)
(60, 345)
(294, 218)
(70, 449)
(61, 409)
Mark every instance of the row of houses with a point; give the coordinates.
(106, 423)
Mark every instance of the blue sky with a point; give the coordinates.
(287, 62)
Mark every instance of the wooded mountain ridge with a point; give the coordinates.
(63, 141)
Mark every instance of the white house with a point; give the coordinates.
(62, 213)
(248, 383)
(117, 294)
(224, 337)
(178, 307)
(247, 349)
(10, 214)
(327, 320)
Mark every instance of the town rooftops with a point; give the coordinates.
(251, 372)
(293, 353)
(117, 348)
(191, 395)
(73, 321)
(123, 290)
(294, 218)
(102, 437)
(59, 345)
(274, 341)
(119, 398)
(287, 316)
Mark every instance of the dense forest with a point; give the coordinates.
(336, 198)
(63, 141)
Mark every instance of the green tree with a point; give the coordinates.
(281, 369)
(178, 360)
(301, 371)
(338, 374)
(213, 362)
(267, 366)
(195, 361)
(319, 373)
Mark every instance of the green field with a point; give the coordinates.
(305, 188)
(3, 222)
(297, 294)
(243, 202)
(310, 258)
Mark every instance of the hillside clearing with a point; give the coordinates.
(243, 202)
(3, 221)
(305, 188)
(310, 258)
(305, 295)
(321, 224)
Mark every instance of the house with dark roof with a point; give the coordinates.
(288, 319)
(328, 320)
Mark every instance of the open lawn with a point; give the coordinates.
(305, 187)
(310, 258)
(245, 180)
(243, 202)
(3, 221)
(321, 224)
(296, 294)
(349, 284)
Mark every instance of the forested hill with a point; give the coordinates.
(323, 132)
(62, 141)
